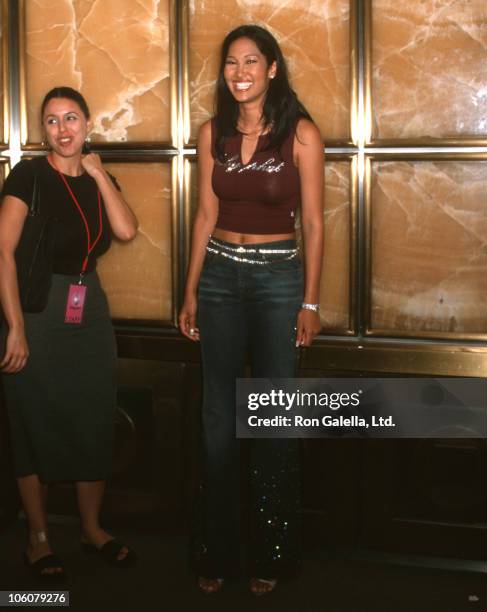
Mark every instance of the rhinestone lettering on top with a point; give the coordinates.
(232, 164)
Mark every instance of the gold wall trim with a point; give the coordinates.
(173, 62)
(354, 75)
(428, 142)
(351, 356)
(177, 170)
(412, 358)
(354, 227)
(367, 306)
(22, 75)
(368, 72)
(189, 169)
(428, 156)
(5, 137)
(186, 111)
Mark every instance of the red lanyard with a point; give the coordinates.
(91, 245)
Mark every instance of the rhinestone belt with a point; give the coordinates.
(220, 249)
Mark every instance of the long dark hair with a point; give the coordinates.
(70, 94)
(281, 106)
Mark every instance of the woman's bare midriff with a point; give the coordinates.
(237, 238)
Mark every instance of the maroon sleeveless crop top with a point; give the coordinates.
(260, 197)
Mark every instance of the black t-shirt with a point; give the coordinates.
(71, 242)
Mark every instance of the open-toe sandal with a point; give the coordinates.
(258, 591)
(210, 586)
(110, 553)
(40, 569)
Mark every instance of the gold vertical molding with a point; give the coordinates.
(173, 62)
(186, 113)
(353, 249)
(176, 172)
(177, 167)
(354, 74)
(368, 246)
(22, 73)
(5, 74)
(368, 135)
(188, 176)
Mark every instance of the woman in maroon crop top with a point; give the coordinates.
(260, 158)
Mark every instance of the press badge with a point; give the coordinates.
(76, 304)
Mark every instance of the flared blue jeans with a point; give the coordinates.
(248, 309)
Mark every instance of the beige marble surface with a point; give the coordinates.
(314, 36)
(116, 52)
(429, 246)
(429, 68)
(137, 275)
(335, 279)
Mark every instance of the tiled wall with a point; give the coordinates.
(405, 251)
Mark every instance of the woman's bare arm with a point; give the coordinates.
(13, 213)
(204, 223)
(310, 160)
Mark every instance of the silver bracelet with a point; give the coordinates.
(313, 307)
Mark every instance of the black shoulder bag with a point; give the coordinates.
(33, 255)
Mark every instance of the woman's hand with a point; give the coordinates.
(308, 325)
(16, 352)
(91, 163)
(187, 319)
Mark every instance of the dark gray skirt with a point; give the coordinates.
(61, 405)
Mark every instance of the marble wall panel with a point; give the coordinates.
(335, 278)
(315, 40)
(116, 52)
(429, 68)
(429, 247)
(137, 275)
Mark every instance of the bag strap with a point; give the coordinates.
(35, 203)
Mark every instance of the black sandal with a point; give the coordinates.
(110, 552)
(49, 561)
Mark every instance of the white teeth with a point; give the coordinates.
(242, 86)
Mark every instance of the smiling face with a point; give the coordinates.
(66, 126)
(247, 73)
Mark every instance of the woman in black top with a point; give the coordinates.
(59, 371)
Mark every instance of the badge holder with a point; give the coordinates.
(75, 305)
